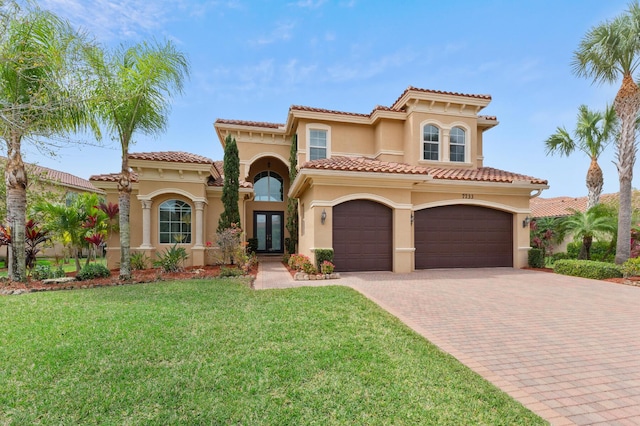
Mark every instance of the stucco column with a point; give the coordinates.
(199, 224)
(146, 224)
(403, 248)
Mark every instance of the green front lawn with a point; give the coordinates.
(215, 352)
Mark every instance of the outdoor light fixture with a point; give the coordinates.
(526, 222)
(412, 218)
(323, 216)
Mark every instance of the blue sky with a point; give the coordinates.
(251, 60)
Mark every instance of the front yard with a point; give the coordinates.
(216, 352)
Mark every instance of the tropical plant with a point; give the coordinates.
(139, 260)
(230, 214)
(42, 95)
(135, 85)
(35, 237)
(594, 130)
(545, 232)
(607, 52)
(595, 222)
(292, 203)
(93, 270)
(172, 260)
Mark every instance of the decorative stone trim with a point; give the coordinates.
(301, 276)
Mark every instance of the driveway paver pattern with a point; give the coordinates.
(567, 348)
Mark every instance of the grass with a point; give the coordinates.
(215, 352)
(67, 267)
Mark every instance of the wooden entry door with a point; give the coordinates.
(269, 230)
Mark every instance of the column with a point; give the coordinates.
(199, 224)
(146, 224)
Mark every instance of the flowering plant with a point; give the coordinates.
(327, 267)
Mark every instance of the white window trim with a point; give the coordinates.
(316, 126)
(441, 128)
(191, 224)
(467, 143)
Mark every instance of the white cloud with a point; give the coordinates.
(309, 4)
(282, 32)
(352, 70)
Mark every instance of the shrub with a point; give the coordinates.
(322, 255)
(559, 256)
(93, 270)
(252, 245)
(172, 259)
(309, 268)
(228, 240)
(587, 269)
(327, 267)
(536, 258)
(226, 272)
(631, 267)
(41, 272)
(139, 261)
(600, 251)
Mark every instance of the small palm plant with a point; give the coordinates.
(596, 222)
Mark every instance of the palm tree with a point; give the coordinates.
(595, 222)
(594, 131)
(607, 52)
(41, 96)
(135, 84)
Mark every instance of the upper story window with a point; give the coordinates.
(457, 145)
(317, 144)
(268, 186)
(430, 142)
(175, 222)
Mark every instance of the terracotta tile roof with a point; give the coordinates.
(438, 92)
(112, 177)
(483, 174)
(564, 206)
(488, 117)
(58, 177)
(327, 111)
(361, 164)
(171, 156)
(250, 123)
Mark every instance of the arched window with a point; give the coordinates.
(457, 145)
(430, 142)
(268, 186)
(175, 222)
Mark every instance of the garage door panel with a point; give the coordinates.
(362, 236)
(462, 236)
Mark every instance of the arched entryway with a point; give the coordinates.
(362, 236)
(463, 236)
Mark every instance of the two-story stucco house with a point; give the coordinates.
(401, 188)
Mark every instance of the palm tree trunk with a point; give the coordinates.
(77, 259)
(16, 182)
(626, 104)
(124, 199)
(595, 182)
(585, 250)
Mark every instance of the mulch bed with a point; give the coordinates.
(137, 277)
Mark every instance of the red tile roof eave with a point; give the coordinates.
(437, 92)
(247, 123)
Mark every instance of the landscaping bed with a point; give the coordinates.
(137, 277)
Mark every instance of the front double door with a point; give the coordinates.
(269, 230)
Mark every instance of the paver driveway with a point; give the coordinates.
(568, 348)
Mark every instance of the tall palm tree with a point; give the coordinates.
(135, 84)
(594, 130)
(596, 222)
(607, 52)
(41, 96)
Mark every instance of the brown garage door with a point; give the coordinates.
(362, 236)
(462, 236)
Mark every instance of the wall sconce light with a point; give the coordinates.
(323, 216)
(526, 222)
(268, 164)
(412, 218)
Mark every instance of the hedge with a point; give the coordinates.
(536, 258)
(587, 269)
(600, 251)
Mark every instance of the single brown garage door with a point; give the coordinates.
(362, 236)
(462, 236)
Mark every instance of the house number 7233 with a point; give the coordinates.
(467, 196)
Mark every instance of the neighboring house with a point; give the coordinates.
(401, 188)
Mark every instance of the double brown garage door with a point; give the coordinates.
(457, 236)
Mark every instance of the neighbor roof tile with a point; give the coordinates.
(112, 177)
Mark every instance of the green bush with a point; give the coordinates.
(322, 255)
(559, 256)
(252, 245)
(93, 270)
(226, 272)
(41, 272)
(139, 261)
(536, 258)
(631, 267)
(600, 251)
(587, 269)
(172, 260)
